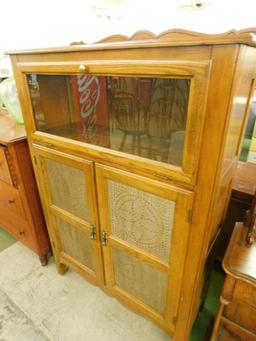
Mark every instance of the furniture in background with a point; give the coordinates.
(20, 208)
(236, 317)
(137, 223)
(243, 189)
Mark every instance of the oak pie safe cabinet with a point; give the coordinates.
(134, 144)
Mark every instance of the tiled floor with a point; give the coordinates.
(33, 299)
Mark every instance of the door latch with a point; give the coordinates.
(104, 238)
(92, 232)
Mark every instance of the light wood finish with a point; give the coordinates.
(221, 69)
(20, 208)
(133, 211)
(196, 72)
(69, 188)
(237, 312)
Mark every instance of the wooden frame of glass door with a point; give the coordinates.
(171, 267)
(196, 72)
(88, 229)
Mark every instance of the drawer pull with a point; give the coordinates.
(22, 233)
(11, 201)
(82, 68)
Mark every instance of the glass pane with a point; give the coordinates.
(67, 188)
(75, 243)
(136, 115)
(141, 218)
(248, 151)
(139, 279)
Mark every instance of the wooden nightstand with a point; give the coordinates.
(236, 318)
(20, 208)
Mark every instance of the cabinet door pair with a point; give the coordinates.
(120, 230)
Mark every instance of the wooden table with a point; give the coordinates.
(236, 317)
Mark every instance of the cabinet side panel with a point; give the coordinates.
(239, 105)
(221, 79)
(234, 119)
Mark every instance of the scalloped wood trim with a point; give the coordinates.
(173, 37)
(180, 34)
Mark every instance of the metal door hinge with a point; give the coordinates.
(92, 232)
(189, 216)
(104, 238)
(174, 320)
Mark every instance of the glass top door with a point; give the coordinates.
(144, 116)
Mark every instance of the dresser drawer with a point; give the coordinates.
(243, 292)
(229, 331)
(14, 224)
(10, 200)
(5, 174)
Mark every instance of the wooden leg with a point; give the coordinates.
(123, 142)
(61, 268)
(149, 146)
(217, 319)
(133, 143)
(43, 260)
(139, 144)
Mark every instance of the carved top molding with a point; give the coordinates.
(173, 37)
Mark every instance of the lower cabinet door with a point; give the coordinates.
(69, 200)
(144, 235)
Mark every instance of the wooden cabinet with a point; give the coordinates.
(135, 143)
(20, 208)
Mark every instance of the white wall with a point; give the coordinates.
(43, 23)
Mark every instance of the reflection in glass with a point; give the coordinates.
(141, 116)
(248, 150)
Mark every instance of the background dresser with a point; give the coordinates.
(20, 208)
(236, 318)
(243, 190)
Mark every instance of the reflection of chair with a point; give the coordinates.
(168, 112)
(130, 117)
(250, 222)
(175, 153)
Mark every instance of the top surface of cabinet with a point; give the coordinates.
(240, 258)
